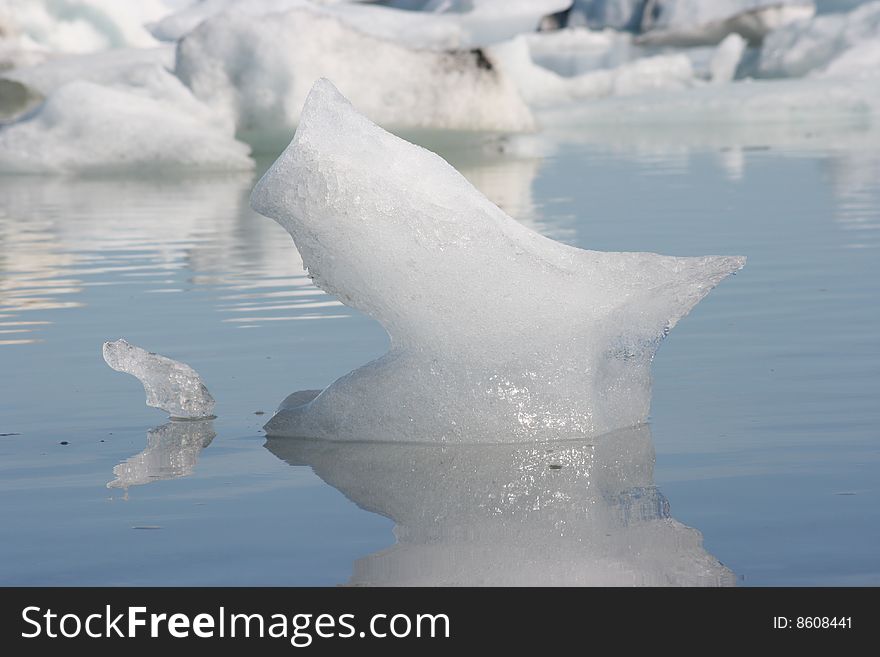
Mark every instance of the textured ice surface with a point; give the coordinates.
(260, 69)
(172, 451)
(497, 333)
(170, 385)
(569, 513)
(811, 45)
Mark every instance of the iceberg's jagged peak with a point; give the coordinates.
(260, 69)
(173, 386)
(497, 333)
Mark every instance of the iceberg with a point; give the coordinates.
(573, 513)
(88, 127)
(541, 87)
(688, 23)
(174, 387)
(171, 453)
(498, 334)
(810, 46)
(572, 51)
(258, 70)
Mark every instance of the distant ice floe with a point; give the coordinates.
(541, 87)
(173, 386)
(561, 347)
(260, 70)
(86, 127)
(577, 513)
(235, 78)
(840, 44)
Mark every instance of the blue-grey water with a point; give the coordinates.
(765, 419)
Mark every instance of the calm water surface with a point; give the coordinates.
(764, 435)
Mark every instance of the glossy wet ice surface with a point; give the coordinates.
(764, 423)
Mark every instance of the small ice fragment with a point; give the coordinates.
(170, 385)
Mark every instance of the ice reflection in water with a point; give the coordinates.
(172, 451)
(567, 513)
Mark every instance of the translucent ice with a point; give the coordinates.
(172, 451)
(170, 385)
(497, 333)
(579, 513)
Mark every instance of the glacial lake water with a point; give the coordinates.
(763, 434)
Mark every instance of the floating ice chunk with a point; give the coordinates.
(84, 126)
(259, 70)
(789, 103)
(860, 61)
(722, 67)
(498, 334)
(541, 87)
(172, 452)
(573, 51)
(578, 513)
(811, 45)
(170, 385)
(753, 21)
(441, 26)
